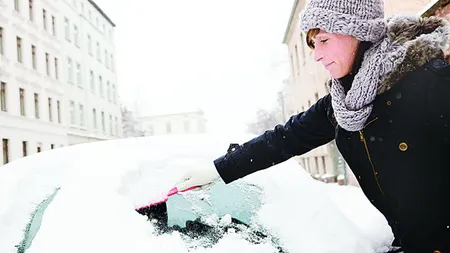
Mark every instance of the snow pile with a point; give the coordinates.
(102, 183)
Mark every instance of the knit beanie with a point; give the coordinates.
(362, 19)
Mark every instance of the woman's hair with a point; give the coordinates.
(309, 37)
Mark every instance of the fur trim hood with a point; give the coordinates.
(411, 43)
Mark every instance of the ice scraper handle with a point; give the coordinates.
(175, 190)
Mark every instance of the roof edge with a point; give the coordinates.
(288, 28)
(102, 12)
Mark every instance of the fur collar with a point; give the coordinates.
(415, 41)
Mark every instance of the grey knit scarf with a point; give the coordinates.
(408, 44)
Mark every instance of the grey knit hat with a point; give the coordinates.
(362, 19)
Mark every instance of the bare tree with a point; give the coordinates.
(265, 120)
(130, 124)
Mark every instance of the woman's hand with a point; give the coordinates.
(202, 177)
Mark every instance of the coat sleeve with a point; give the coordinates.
(439, 106)
(302, 133)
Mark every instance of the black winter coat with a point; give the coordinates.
(401, 158)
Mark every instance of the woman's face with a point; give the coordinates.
(336, 52)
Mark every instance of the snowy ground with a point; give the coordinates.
(102, 183)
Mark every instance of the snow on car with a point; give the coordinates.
(83, 199)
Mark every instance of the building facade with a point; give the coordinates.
(307, 83)
(176, 123)
(57, 75)
(439, 8)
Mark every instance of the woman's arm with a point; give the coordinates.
(302, 133)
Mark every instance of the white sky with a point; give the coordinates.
(223, 56)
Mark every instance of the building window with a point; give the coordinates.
(98, 52)
(56, 68)
(168, 127)
(112, 63)
(17, 5)
(308, 164)
(50, 114)
(79, 74)
(106, 59)
(100, 84)
(90, 44)
(19, 49)
(302, 46)
(24, 148)
(94, 118)
(75, 34)
(111, 125)
(53, 25)
(47, 63)
(36, 105)
(39, 148)
(44, 19)
(108, 91)
(316, 159)
(92, 81)
(22, 101)
(30, 3)
(58, 111)
(70, 70)
(324, 164)
(114, 94)
(52, 146)
(5, 151)
(292, 66)
(186, 126)
(72, 113)
(3, 97)
(103, 122)
(297, 60)
(81, 115)
(150, 130)
(116, 126)
(316, 96)
(309, 103)
(33, 56)
(67, 28)
(1, 40)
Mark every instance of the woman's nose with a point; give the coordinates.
(317, 55)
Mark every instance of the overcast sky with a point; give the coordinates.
(223, 56)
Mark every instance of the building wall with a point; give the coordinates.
(442, 10)
(97, 94)
(45, 125)
(183, 123)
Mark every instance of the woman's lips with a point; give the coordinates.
(328, 65)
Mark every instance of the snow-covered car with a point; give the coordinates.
(84, 198)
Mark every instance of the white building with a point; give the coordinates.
(176, 123)
(57, 74)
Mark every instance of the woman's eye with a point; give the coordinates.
(323, 41)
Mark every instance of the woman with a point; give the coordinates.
(387, 110)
